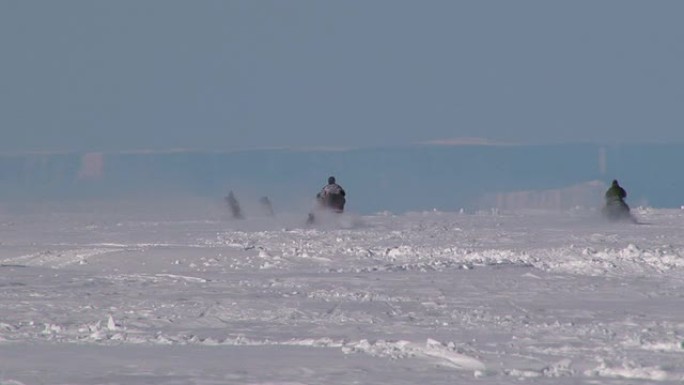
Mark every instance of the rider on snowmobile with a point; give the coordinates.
(616, 207)
(332, 196)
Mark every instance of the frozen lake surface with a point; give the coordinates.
(123, 295)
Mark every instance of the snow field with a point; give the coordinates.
(490, 297)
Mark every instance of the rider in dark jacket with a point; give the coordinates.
(616, 208)
(615, 192)
(332, 196)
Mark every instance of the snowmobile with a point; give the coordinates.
(617, 210)
(234, 206)
(330, 203)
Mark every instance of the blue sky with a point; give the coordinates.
(224, 75)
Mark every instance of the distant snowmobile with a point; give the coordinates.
(332, 197)
(266, 206)
(616, 209)
(310, 219)
(234, 206)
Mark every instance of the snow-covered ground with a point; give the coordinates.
(101, 294)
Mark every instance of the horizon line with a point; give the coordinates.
(449, 142)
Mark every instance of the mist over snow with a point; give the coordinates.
(446, 176)
(122, 293)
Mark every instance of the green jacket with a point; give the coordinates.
(615, 192)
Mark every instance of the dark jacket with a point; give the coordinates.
(332, 196)
(615, 192)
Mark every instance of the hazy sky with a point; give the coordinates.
(158, 74)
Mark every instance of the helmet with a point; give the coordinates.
(331, 180)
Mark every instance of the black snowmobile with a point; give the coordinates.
(617, 210)
(330, 199)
